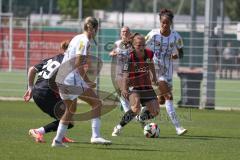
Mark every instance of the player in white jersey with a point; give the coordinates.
(167, 45)
(120, 55)
(73, 83)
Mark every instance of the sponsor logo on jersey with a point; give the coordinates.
(141, 69)
(81, 45)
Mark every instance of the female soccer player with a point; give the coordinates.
(120, 54)
(45, 95)
(137, 84)
(163, 42)
(73, 83)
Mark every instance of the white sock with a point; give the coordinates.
(125, 104)
(171, 113)
(96, 127)
(61, 131)
(41, 130)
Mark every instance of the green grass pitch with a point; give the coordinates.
(13, 84)
(212, 135)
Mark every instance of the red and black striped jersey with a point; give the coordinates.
(138, 69)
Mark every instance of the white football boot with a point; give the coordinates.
(181, 131)
(56, 143)
(100, 140)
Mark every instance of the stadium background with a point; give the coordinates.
(25, 43)
(30, 30)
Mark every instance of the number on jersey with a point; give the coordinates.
(49, 69)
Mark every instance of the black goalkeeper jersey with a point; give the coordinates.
(47, 70)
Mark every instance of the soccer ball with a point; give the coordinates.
(151, 130)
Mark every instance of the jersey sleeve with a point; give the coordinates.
(179, 41)
(83, 47)
(148, 38)
(117, 46)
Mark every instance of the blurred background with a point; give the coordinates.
(207, 77)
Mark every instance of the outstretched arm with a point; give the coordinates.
(31, 76)
(125, 85)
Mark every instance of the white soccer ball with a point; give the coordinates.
(151, 130)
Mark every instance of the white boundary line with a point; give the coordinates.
(162, 106)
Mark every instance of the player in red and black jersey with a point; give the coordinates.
(138, 75)
(45, 94)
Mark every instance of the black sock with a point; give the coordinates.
(70, 126)
(127, 117)
(146, 115)
(52, 127)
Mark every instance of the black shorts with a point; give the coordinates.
(49, 102)
(145, 95)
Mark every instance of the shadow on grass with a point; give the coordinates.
(187, 137)
(199, 137)
(122, 147)
(116, 147)
(114, 144)
(210, 137)
(135, 149)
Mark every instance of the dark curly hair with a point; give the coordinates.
(166, 12)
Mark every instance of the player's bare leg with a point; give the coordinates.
(92, 99)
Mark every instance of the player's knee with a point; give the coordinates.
(155, 112)
(164, 88)
(161, 99)
(96, 103)
(168, 96)
(135, 105)
(136, 109)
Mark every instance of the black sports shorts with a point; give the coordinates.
(145, 95)
(49, 102)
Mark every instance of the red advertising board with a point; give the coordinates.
(43, 44)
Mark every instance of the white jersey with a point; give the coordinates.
(163, 47)
(123, 51)
(68, 75)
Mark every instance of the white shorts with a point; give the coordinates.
(72, 86)
(68, 96)
(71, 92)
